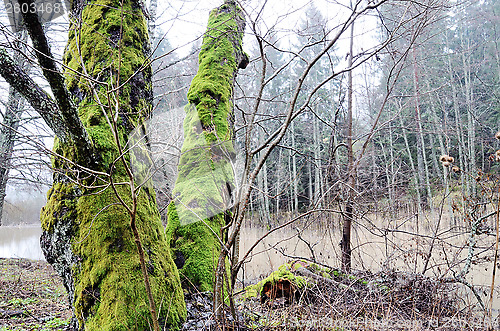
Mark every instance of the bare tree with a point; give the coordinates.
(11, 122)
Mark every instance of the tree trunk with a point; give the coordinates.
(93, 229)
(279, 173)
(423, 169)
(471, 121)
(440, 129)
(389, 172)
(10, 124)
(203, 192)
(291, 191)
(412, 164)
(262, 182)
(444, 151)
(351, 171)
(295, 179)
(318, 187)
(392, 179)
(458, 127)
(310, 190)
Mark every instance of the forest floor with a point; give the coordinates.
(32, 297)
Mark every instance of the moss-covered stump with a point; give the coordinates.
(282, 283)
(87, 235)
(203, 192)
(292, 281)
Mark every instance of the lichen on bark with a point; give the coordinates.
(203, 190)
(87, 235)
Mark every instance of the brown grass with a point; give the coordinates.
(32, 296)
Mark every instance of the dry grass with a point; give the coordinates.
(389, 301)
(32, 296)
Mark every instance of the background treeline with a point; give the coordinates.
(440, 96)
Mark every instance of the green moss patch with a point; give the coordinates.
(110, 44)
(284, 272)
(195, 248)
(202, 192)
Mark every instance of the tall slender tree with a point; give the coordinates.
(203, 192)
(11, 121)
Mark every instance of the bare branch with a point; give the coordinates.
(34, 94)
(73, 125)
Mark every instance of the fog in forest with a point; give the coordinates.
(358, 137)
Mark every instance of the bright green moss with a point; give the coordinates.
(317, 269)
(195, 248)
(60, 205)
(110, 268)
(205, 175)
(96, 44)
(211, 89)
(109, 290)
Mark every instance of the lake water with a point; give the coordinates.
(276, 249)
(284, 245)
(20, 242)
(400, 251)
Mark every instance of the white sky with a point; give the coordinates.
(184, 21)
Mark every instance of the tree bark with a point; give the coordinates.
(40, 100)
(99, 215)
(279, 173)
(351, 171)
(262, 181)
(73, 126)
(471, 121)
(318, 187)
(294, 176)
(310, 190)
(10, 124)
(203, 192)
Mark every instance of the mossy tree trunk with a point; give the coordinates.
(99, 212)
(203, 192)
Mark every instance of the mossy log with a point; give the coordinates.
(292, 280)
(282, 283)
(203, 190)
(87, 234)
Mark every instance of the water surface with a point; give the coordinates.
(20, 242)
